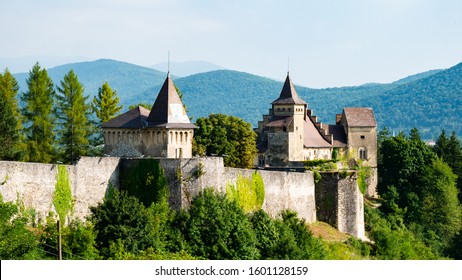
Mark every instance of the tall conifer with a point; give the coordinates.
(10, 122)
(72, 113)
(38, 120)
(106, 103)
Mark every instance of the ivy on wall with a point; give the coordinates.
(145, 180)
(62, 196)
(249, 193)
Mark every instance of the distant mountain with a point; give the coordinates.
(25, 63)
(429, 101)
(127, 79)
(183, 69)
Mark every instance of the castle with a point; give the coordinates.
(291, 134)
(165, 131)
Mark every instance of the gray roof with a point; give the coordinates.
(168, 108)
(133, 119)
(288, 95)
(360, 117)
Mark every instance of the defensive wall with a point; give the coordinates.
(335, 200)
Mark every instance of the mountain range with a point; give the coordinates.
(430, 101)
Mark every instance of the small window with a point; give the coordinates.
(362, 153)
(363, 137)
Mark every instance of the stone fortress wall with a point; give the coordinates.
(33, 184)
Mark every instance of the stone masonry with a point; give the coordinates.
(33, 184)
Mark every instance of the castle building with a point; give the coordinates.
(291, 134)
(164, 131)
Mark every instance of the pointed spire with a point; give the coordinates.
(288, 94)
(168, 108)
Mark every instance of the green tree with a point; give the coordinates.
(79, 241)
(9, 134)
(62, 196)
(72, 113)
(226, 136)
(441, 145)
(142, 104)
(37, 115)
(266, 232)
(10, 118)
(404, 165)
(414, 135)
(296, 241)
(106, 103)
(217, 228)
(440, 213)
(16, 240)
(393, 241)
(450, 150)
(124, 218)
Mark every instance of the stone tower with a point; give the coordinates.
(165, 131)
(292, 109)
(288, 135)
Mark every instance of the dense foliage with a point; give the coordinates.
(419, 192)
(227, 136)
(249, 193)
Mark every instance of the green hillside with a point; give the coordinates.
(127, 79)
(429, 101)
(430, 104)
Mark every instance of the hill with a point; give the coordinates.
(127, 79)
(430, 104)
(187, 68)
(429, 101)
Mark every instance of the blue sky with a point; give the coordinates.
(329, 43)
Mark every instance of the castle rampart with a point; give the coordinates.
(34, 184)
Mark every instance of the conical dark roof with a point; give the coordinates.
(288, 94)
(168, 108)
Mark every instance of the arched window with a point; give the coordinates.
(362, 153)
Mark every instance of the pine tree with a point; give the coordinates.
(105, 104)
(10, 122)
(38, 120)
(441, 146)
(72, 113)
(414, 135)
